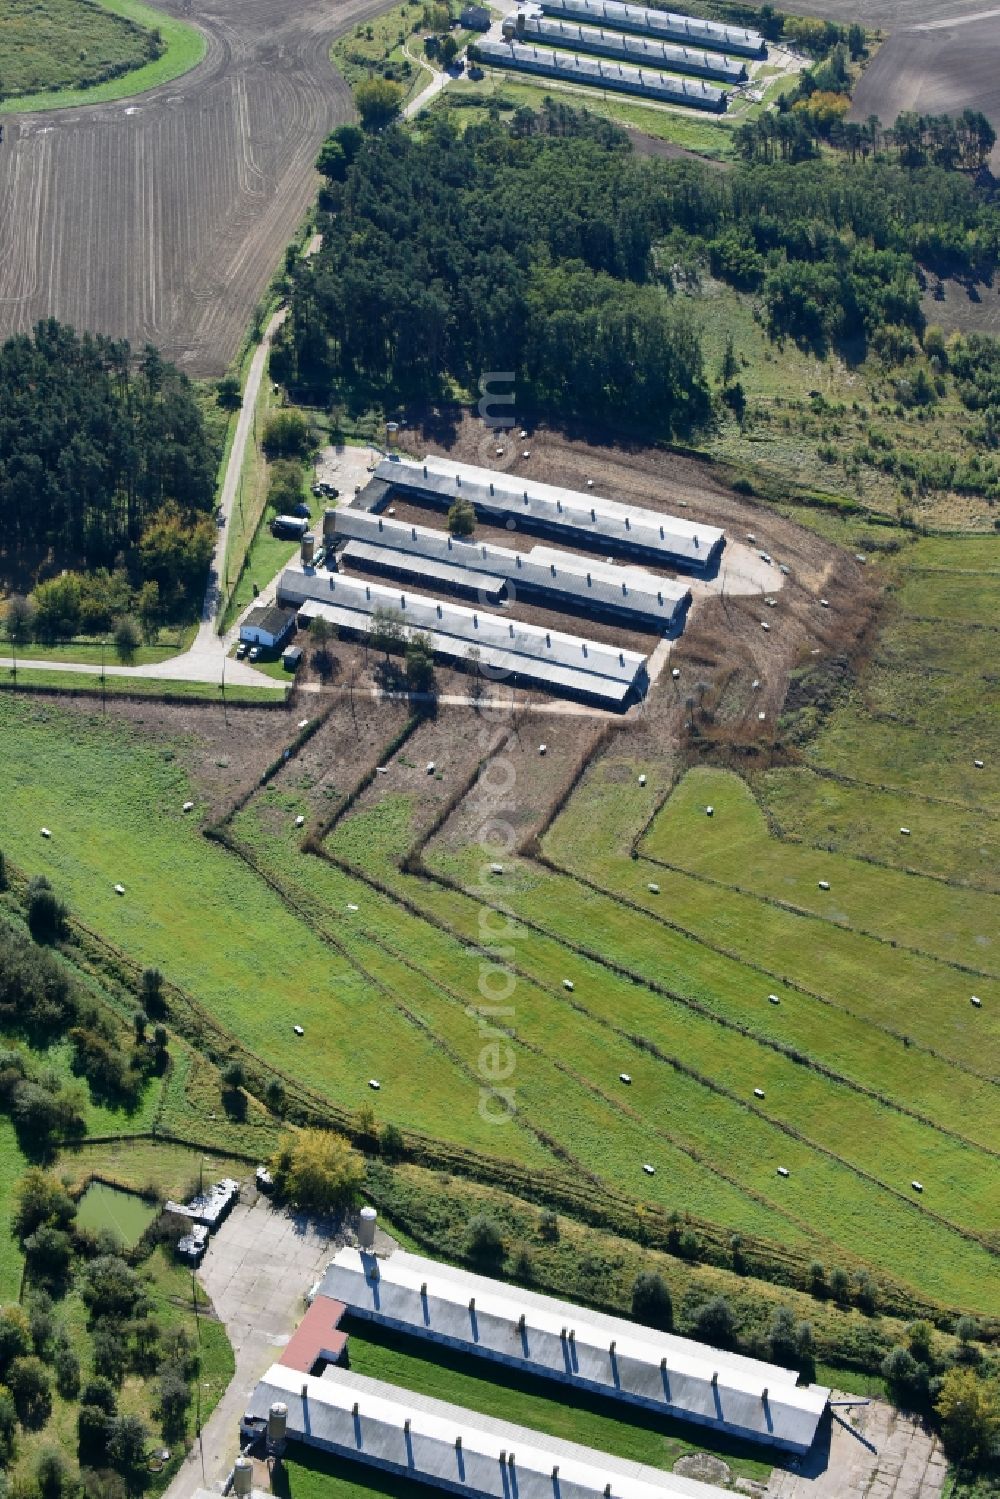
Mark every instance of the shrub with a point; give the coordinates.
(53, 1474)
(286, 435)
(714, 1323)
(968, 1409)
(651, 1302)
(110, 1288)
(548, 1226)
(28, 1381)
(317, 1170)
(67, 1370)
(484, 1240)
(46, 914)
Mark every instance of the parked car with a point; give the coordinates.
(302, 511)
(255, 653)
(241, 650)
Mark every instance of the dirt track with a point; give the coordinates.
(162, 220)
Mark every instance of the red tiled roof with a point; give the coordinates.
(316, 1337)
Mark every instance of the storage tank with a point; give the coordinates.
(277, 1423)
(508, 28)
(308, 549)
(329, 526)
(243, 1477)
(366, 1228)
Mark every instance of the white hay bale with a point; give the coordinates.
(917, 1186)
(119, 889)
(675, 673)
(543, 749)
(300, 821)
(824, 884)
(298, 1030)
(905, 832)
(642, 780)
(978, 764)
(351, 906)
(774, 999)
(761, 716)
(568, 984)
(976, 1001)
(709, 811)
(430, 767)
(783, 1171)
(374, 1084)
(758, 1092)
(625, 1077)
(824, 603)
(46, 833)
(653, 888)
(303, 723)
(187, 806)
(649, 1170)
(764, 625)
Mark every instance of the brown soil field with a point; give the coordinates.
(162, 220)
(938, 68)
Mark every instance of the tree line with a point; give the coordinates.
(105, 462)
(548, 249)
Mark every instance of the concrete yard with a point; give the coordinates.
(257, 1270)
(871, 1452)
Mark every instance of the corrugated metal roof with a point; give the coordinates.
(558, 575)
(553, 31)
(449, 1447)
(500, 664)
(660, 23)
(601, 73)
(689, 1380)
(411, 562)
(598, 522)
(473, 626)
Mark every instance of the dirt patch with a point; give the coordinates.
(522, 784)
(334, 759)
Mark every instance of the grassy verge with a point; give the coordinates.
(185, 48)
(39, 679)
(693, 132)
(89, 652)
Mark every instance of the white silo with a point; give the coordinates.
(243, 1477)
(366, 1228)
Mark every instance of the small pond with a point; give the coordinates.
(124, 1213)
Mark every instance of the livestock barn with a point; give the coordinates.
(584, 520)
(742, 1397)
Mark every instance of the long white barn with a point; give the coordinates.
(585, 520)
(673, 28)
(559, 578)
(574, 67)
(459, 1451)
(743, 1397)
(526, 653)
(648, 52)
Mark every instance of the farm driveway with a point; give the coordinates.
(258, 1268)
(162, 219)
(874, 1453)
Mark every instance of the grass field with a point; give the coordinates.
(49, 47)
(874, 1067)
(83, 682)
